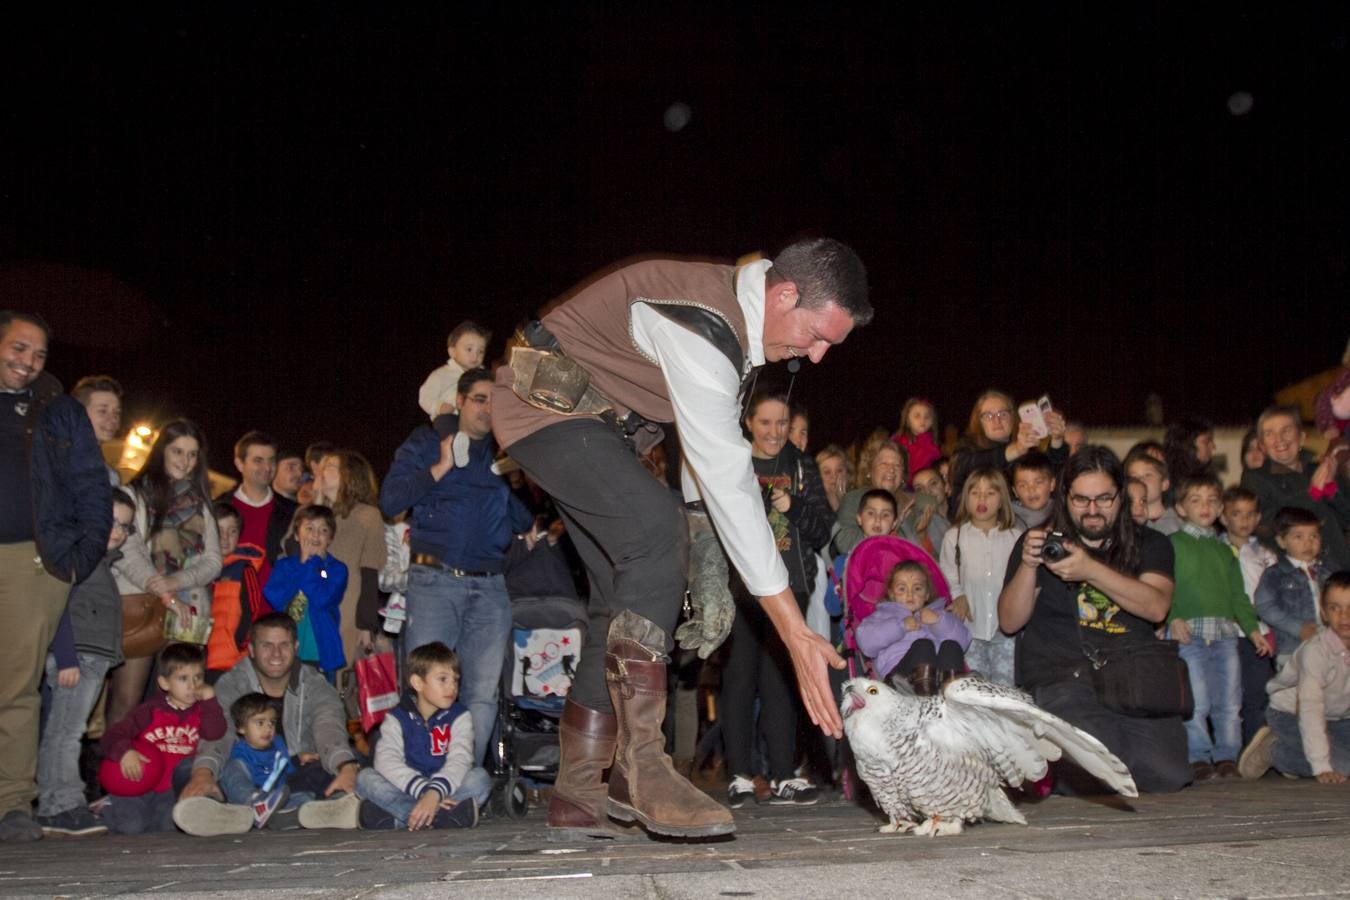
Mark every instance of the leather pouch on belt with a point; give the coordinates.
(550, 381)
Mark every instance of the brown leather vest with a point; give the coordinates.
(595, 329)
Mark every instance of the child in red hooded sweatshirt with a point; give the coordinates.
(142, 752)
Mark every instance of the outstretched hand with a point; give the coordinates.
(813, 657)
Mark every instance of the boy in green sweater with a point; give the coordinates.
(1210, 613)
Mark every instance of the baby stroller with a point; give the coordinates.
(548, 626)
(867, 572)
(865, 579)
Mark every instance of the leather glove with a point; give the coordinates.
(712, 608)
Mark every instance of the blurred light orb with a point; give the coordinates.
(677, 116)
(1240, 103)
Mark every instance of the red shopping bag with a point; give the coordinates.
(377, 688)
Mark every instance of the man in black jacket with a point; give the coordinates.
(55, 516)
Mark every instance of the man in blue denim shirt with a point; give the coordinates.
(463, 519)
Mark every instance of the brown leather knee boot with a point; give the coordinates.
(578, 808)
(643, 785)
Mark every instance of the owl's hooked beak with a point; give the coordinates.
(853, 701)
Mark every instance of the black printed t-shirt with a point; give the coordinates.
(1069, 614)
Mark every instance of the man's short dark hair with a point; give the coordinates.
(253, 438)
(824, 270)
(421, 659)
(9, 316)
(283, 455)
(470, 378)
(1293, 516)
(1031, 461)
(1195, 482)
(273, 620)
(90, 384)
(879, 494)
(250, 705)
(176, 656)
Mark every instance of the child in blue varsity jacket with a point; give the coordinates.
(424, 774)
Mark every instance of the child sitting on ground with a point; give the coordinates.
(1241, 515)
(1210, 613)
(309, 588)
(466, 346)
(1308, 723)
(911, 636)
(257, 760)
(153, 747)
(236, 595)
(87, 644)
(1287, 595)
(424, 774)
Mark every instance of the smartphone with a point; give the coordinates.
(1031, 413)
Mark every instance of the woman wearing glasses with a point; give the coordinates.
(994, 438)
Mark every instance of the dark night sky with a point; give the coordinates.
(272, 221)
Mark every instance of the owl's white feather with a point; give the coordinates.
(946, 758)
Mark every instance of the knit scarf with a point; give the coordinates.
(180, 535)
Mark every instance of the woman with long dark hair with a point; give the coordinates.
(757, 661)
(175, 551)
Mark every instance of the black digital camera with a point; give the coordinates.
(1053, 550)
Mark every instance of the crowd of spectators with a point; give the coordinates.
(247, 723)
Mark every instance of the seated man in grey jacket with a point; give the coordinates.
(322, 766)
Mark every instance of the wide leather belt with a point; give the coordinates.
(426, 559)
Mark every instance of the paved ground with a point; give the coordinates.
(1273, 838)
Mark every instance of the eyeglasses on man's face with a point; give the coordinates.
(1102, 501)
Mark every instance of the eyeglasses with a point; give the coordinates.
(1103, 501)
(995, 414)
(127, 528)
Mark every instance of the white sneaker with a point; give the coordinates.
(460, 446)
(207, 817)
(341, 812)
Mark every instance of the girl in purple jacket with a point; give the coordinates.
(911, 638)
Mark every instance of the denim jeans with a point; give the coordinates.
(60, 786)
(372, 786)
(1216, 682)
(236, 783)
(471, 616)
(1288, 755)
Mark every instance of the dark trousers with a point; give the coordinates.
(149, 812)
(757, 663)
(1256, 671)
(1153, 749)
(947, 658)
(627, 527)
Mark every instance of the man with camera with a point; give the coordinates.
(1087, 592)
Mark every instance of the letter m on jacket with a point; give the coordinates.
(440, 739)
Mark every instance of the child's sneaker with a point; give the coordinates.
(463, 814)
(796, 791)
(208, 817)
(339, 812)
(374, 818)
(78, 821)
(264, 804)
(460, 447)
(739, 791)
